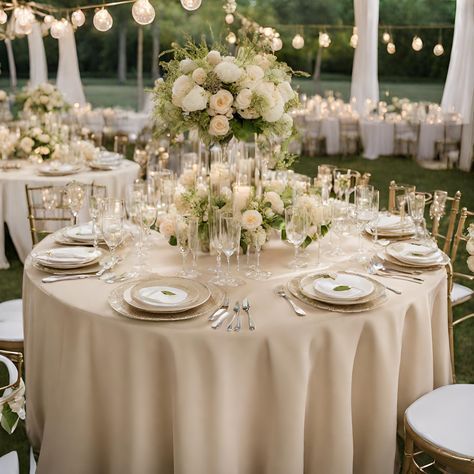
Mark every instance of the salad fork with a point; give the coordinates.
(236, 314)
(246, 308)
(299, 311)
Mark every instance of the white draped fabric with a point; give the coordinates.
(365, 84)
(37, 56)
(460, 81)
(69, 77)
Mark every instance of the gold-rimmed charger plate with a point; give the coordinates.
(118, 304)
(69, 265)
(389, 251)
(398, 264)
(306, 280)
(197, 294)
(70, 271)
(294, 288)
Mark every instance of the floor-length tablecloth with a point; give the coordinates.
(377, 138)
(430, 133)
(13, 205)
(330, 130)
(320, 394)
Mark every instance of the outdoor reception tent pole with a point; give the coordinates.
(140, 68)
(11, 63)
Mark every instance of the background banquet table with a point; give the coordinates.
(14, 208)
(317, 394)
(377, 138)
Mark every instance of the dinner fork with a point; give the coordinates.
(236, 314)
(76, 276)
(225, 306)
(246, 308)
(373, 269)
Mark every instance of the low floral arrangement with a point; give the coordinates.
(13, 411)
(38, 144)
(224, 96)
(43, 99)
(8, 141)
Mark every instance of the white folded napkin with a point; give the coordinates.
(162, 295)
(65, 255)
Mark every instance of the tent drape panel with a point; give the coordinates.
(460, 81)
(37, 56)
(365, 84)
(69, 77)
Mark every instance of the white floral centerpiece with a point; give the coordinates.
(8, 141)
(43, 99)
(225, 96)
(38, 144)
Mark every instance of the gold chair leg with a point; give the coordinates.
(408, 455)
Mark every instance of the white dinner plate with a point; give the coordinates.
(415, 254)
(82, 232)
(343, 287)
(67, 257)
(60, 169)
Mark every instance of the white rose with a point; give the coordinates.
(213, 58)
(202, 190)
(243, 99)
(3, 96)
(26, 144)
(228, 59)
(187, 179)
(228, 72)
(44, 138)
(221, 101)
(219, 126)
(254, 73)
(168, 227)
(181, 87)
(44, 99)
(470, 263)
(196, 99)
(251, 220)
(249, 114)
(273, 114)
(286, 91)
(262, 61)
(48, 88)
(187, 65)
(470, 246)
(266, 91)
(199, 76)
(275, 200)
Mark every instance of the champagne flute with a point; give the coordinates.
(363, 213)
(95, 208)
(112, 232)
(214, 234)
(258, 238)
(193, 240)
(229, 236)
(325, 220)
(74, 197)
(182, 243)
(418, 202)
(296, 225)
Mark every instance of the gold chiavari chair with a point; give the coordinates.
(48, 210)
(349, 135)
(15, 386)
(121, 144)
(397, 189)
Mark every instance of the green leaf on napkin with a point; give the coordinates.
(168, 293)
(415, 254)
(342, 288)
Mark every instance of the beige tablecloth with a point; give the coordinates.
(14, 209)
(320, 394)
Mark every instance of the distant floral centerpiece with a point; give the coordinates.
(43, 99)
(225, 96)
(38, 144)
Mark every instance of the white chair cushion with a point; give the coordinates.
(445, 418)
(11, 321)
(9, 463)
(460, 293)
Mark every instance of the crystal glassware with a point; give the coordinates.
(296, 226)
(364, 197)
(215, 241)
(230, 240)
(95, 208)
(193, 240)
(112, 231)
(74, 197)
(182, 242)
(417, 208)
(51, 198)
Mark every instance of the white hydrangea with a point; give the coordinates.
(187, 66)
(213, 57)
(195, 99)
(275, 200)
(228, 72)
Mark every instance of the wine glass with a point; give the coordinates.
(364, 196)
(214, 235)
(339, 215)
(342, 182)
(112, 231)
(325, 220)
(417, 207)
(96, 203)
(182, 243)
(74, 198)
(51, 198)
(193, 240)
(257, 239)
(296, 225)
(230, 240)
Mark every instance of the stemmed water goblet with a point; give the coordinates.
(325, 221)
(182, 241)
(74, 197)
(296, 226)
(417, 208)
(257, 239)
(112, 230)
(364, 213)
(51, 198)
(96, 203)
(215, 241)
(230, 241)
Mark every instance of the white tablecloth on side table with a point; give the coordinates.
(315, 394)
(330, 129)
(429, 134)
(377, 138)
(14, 208)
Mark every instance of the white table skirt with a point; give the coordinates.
(429, 134)
(377, 138)
(14, 208)
(319, 394)
(330, 129)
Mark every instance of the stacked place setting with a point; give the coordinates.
(68, 260)
(57, 168)
(392, 227)
(338, 291)
(106, 161)
(159, 298)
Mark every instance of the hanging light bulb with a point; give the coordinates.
(324, 40)
(417, 43)
(438, 50)
(78, 18)
(58, 28)
(102, 20)
(143, 12)
(354, 38)
(24, 16)
(391, 49)
(386, 37)
(48, 20)
(231, 38)
(3, 16)
(298, 42)
(191, 5)
(229, 18)
(277, 43)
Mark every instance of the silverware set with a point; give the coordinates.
(299, 311)
(232, 318)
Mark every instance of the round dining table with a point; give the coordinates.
(14, 208)
(323, 393)
(377, 138)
